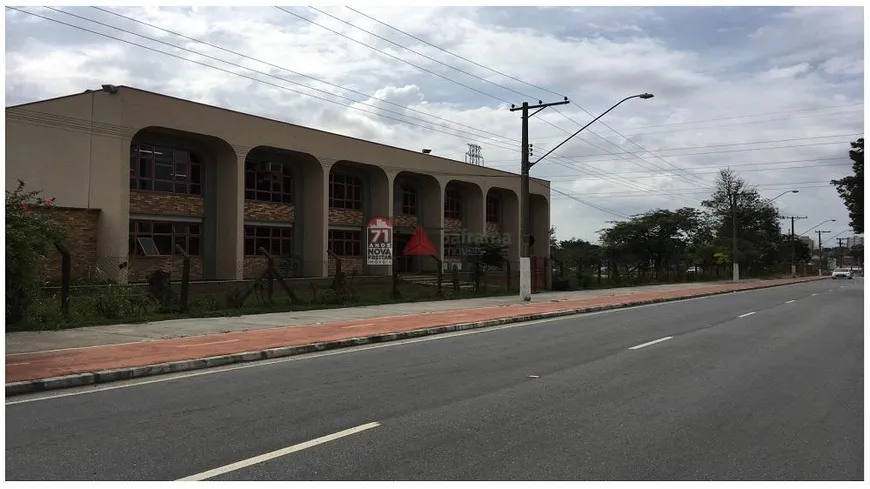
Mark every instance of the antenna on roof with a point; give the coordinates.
(474, 156)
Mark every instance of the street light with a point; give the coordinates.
(817, 225)
(780, 195)
(734, 264)
(526, 166)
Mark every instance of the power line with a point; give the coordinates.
(714, 126)
(463, 134)
(603, 175)
(442, 76)
(456, 55)
(390, 55)
(713, 171)
(725, 145)
(700, 190)
(715, 152)
(298, 73)
(421, 54)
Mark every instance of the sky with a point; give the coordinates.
(774, 93)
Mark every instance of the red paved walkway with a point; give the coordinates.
(54, 364)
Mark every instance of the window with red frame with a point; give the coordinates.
(165, 169)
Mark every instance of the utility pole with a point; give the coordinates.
(527, 240)
(821, 252)
(840, 251)
(793, 219)
(525, 167)
(525, 209)
(735, 264)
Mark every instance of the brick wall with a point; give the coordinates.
(254, 266)
(165, 203)
(492, 228)
(405, 221)
(348, 264)
(452, 224)
(345, 217)
(81, 227)
(269, 211)
(142, 266)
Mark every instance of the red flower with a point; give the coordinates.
(49, 201)
(24, 206)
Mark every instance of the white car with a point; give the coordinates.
(841, 273)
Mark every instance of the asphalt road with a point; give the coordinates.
(772, 395)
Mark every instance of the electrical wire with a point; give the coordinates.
(601, 174)
(434, 73)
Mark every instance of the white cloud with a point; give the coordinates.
(803, 58)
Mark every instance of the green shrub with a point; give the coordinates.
(561, 284)
(30, 234)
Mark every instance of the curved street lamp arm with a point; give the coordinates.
(641, 95)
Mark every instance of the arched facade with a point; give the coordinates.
(235, 182)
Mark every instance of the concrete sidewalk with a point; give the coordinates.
(41, 341)
(248, 338)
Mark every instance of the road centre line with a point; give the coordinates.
(789, 302)
(278, 453)
(747, 314)
(666, 338)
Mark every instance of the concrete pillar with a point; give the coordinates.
(540, 214)
(509, 221)
(431, 214)
(379, 193)
(311, 226)
(229, 206)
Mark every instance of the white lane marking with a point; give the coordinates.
(815, 294)
(747, 314)
(94, 389)
(666, 338)
(278, 453)
(207, 343)
(789, 302)
(17, 364)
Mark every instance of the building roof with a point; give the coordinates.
(275, 121)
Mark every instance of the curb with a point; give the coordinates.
(128, 373)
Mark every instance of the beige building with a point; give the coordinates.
(135, 173)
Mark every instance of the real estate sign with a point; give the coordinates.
(379, 250)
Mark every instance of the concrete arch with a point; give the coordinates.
(425, 193)
(305, 211)
(357, 192)
(540, 226)
(507, 218)
(472, 207)
(219, 219)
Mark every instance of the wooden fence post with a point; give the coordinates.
(65, 277)
(185, 278)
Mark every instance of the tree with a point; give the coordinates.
(30, 233)
(757, 223)
(851, 188)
